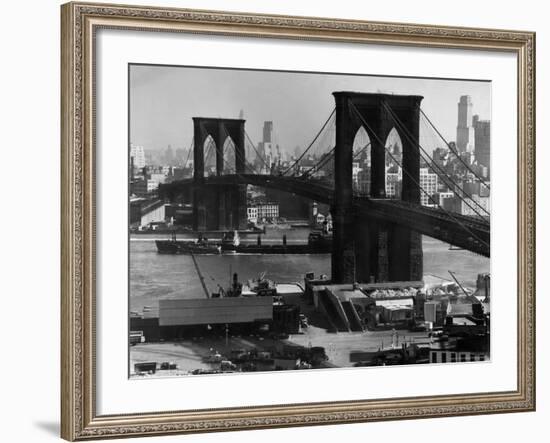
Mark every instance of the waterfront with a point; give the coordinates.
(248, 306)
(156, 276)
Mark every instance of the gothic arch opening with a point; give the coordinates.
(393, 162)
(361, 172)
(209, 149)
(228, 151)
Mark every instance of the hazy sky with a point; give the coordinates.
(164, 99)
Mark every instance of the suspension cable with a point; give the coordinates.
(189, 152)
(238, 174)
(237, 155)
(322, 162)
(208, 151)
(329, 156)
(467, 199)
(324, 158)
(430, 162)
(452, 150)
(426, 158)
(256, 151)
(412, 178)
(312, 142)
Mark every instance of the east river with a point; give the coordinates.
(154, 276)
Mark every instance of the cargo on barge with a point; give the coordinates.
(174, 246)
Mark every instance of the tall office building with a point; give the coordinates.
(464, 130)
(482, 130)
(138, 154)
(169, 156)
(268, 132)
(265, 148)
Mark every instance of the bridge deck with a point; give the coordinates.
(466, 232)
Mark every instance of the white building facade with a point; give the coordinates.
(429, 184)
(262, 211)
(252, 214)
(138, 154)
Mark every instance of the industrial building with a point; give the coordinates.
(461, 350)
(361, 306)
(179, 318)
(146, 211)
(213, 311)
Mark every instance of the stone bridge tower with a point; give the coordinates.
(365, 250)
(218, 207)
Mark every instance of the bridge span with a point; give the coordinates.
(455, 229)
(374, 238)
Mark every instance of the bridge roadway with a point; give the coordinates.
(470, 233)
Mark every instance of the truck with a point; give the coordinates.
(146, 367)
(227, 366)
(136, 337)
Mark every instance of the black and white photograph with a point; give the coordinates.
(273, 221)
(285, 220)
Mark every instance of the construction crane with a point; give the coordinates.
(201, 278)
(458, 283)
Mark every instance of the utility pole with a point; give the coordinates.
(226, 336)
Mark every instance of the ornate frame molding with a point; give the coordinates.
(79, 22)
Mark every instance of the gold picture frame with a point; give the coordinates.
(80, 21)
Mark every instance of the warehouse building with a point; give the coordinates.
(184, 318)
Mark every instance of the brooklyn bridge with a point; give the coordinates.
(374, 237)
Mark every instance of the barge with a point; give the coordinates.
(318, 243)
(174, 246)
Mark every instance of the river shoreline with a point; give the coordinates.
(156, 276)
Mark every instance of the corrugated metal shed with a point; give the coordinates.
(179, 312)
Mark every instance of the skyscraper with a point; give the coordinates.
(482, 130)
(464, 130)
(169, 156)
(265, 147)
(268, 132)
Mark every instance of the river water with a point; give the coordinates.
(154, 276)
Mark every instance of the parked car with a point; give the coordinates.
(168, 366)
(418, 327)
(227, 366)
(214, 358)
(280, 335)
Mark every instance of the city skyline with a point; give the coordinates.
(164, 99)
(246, 261)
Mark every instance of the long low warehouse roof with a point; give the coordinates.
(181, 312)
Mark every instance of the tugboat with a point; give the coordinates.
(259, 287)
(174, 246)
(262, 286)
(235, 288)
